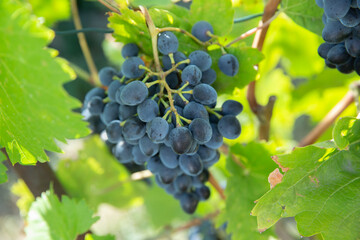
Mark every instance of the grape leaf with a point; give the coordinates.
(3, 169)
(247, 57)
(34, 107)
(219, 14)
(305, 13)
(246, 184)
(321, 190)
(97, 177)
(44, 9)
(50, 219)
(346, 131)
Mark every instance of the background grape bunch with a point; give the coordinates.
(166, 120)
(342, 34)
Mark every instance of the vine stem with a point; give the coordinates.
(263, 113)
(83, 44)
(110, 6)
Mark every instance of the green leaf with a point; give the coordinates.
(305, 13)
(45, 9)
(148, 3)
(244, 186)
(50, 219)
(90, 236)
(34, 107)
(97, 177)
(219, 14)
(3, 169)
(321, 190)
(247, 57)
(24, 195)
(346, 131)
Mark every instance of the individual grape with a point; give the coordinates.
(167, 43)
(193, 149)
(113, 87)
(178, 57)
(114, 131)
(159, 182)
(335, 32)
(95, 124)
(191, 74)
(352, 18)
(201, 59)
(352, 45)
(214, 160)
(216, 139)
(231, 107)
(118, 94)
(167, 141)
(189, 202)
(110, 112)
(134, 93)
(200, 29)
(209, 76)
(157, 129)
(172, 80)
(357, 65)
(147, 147)
(95, 92)
(329, 64)
(204, 94)
(139, 157)
(148, 110)
(168, 157)
(229, 127)
(130, 67)
(203, 193)
(191, 165)
(167, 175)
(354, 4)
(201, 130)
(200, 179)
(170, 189)
(183, 183)
(324, 48)
(123, 152)
(228, 64)
(347, 67)
(133, 129)
(95, 105)
(180, 140)
(205, 153)
(338, 54)
(106, 75)
(195, 110)
(130, 50)
(126, 112)
(154, 165)
(336, 9)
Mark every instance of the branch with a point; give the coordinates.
(217, 186)
(196, 222)
(110, 6)
(263, 113)
(83, 44)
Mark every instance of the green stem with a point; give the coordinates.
(149, 70)
(148, 85)
(247, 18)
(212, 111)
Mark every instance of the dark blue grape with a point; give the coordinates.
(110, 112)
(139, 157)
(172, 80)
(189, 202)
(216, 139)
(114, 131)
(167, 175)
(200, 29)
(167, 43)
(201, 130)
(168, 157)
(335, 32)
(329, 64)
(123, 152)
(130, 50)
(231, 107)
(118, 95)
(183, 183)
(193, 149)
(178, 57)
(167, 141)
(134, 129)
(113, 87)
(352, 18)
(209, 76)
(352, 45)
(229, 127)
(205, 153)
(347, 67)
(180, 140)
(204, 94)
(148, 110)
(203, 193)
(320, 3)
(95, 124)
(336, 9)
(130, 67)
(157, 129)
(338, 54)
(191, 165)
(95, 92)
(195, 110)
(147, 147)
(324, 48)
(201, 59)
(191, 74)
(126, 112)
(95, 105)
(228, 64)
(134, 93)
(154, 165)
(106, 75)
(212, 161)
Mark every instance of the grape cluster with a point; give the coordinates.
(341, 33)
(166, 120)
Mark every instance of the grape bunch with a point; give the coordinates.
(166, 120)
(341, 33)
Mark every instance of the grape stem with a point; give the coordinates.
(212, 111)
